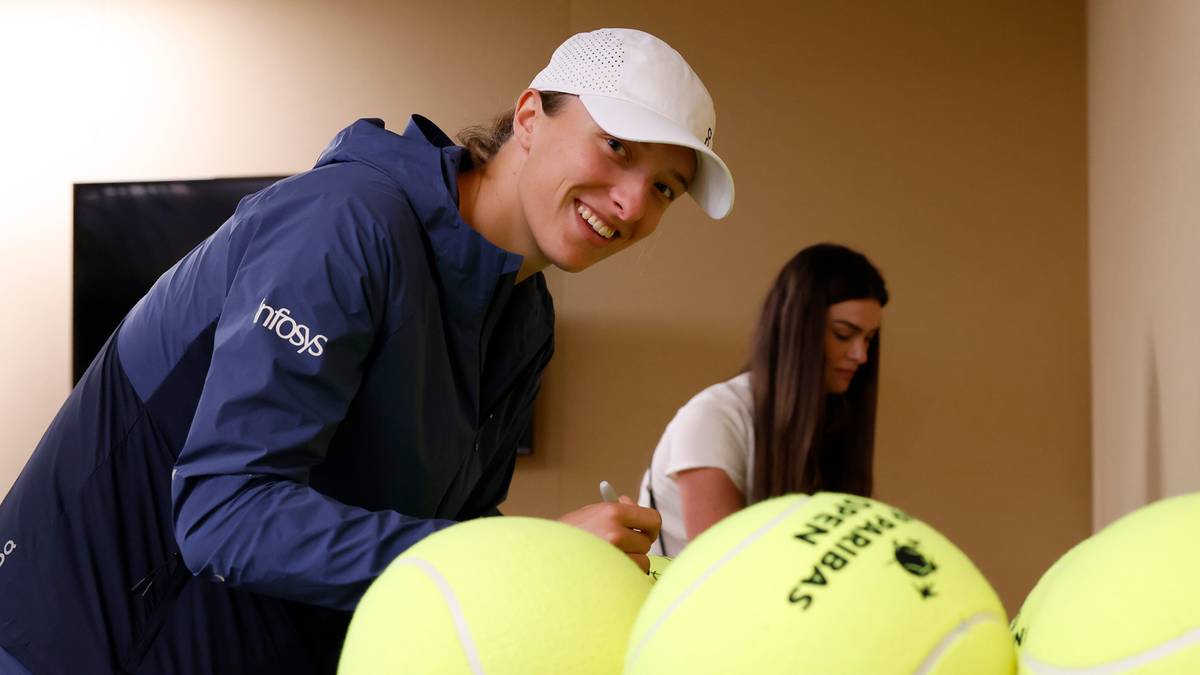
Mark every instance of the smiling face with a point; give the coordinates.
(585, 195)
(850, 328)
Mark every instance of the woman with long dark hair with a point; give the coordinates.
(799, 418)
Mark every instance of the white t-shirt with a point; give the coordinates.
(714, 429)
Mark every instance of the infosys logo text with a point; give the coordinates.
(280, 322)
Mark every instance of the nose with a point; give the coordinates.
(629, 198)
(858, 351)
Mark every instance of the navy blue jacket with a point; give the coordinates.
(344, 367)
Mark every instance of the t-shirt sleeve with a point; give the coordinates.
(708, 432)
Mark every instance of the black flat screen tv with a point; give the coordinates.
(126, 235)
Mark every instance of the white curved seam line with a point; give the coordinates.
(1167, 648)
(754, 536)
(949, 639)
(460, 621)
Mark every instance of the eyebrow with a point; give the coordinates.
(682, 181)
(855, 326)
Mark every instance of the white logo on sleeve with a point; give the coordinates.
(280, 322)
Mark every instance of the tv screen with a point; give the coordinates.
(127, 234)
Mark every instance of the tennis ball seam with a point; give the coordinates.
(713, 569)
(949, 638)
(1177, 644)
(452, 604)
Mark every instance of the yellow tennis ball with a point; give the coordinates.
(1123, 601)
(831, 584)
(503, 595)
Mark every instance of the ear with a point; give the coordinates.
(527, 114)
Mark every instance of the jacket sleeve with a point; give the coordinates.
(301, 312)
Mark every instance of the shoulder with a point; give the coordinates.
(335, 198)
(714, 429)
(347, 218)
(342, 227)
(719, 414)
(731, 397)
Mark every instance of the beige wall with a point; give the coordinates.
(1144, 117)
(945, 139)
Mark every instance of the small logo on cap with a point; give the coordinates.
(708, 139)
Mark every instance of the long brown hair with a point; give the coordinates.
(805, 439)
(483, 141)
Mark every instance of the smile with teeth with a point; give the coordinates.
(598, 225)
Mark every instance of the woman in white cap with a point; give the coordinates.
(343, 368)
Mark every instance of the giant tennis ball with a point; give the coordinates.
(500, 596)
(830, 584)
(1124, 601)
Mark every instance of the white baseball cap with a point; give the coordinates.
(637, 88)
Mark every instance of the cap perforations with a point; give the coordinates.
(590, 62)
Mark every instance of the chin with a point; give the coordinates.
(564, 255)
(837, 388)
(573, 266)
(574, 260)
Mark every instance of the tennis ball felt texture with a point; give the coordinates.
(831, 584)
(1125, 600)
(501, 596)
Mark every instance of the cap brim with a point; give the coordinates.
(712, 186)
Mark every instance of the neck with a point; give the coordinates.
(487, 201)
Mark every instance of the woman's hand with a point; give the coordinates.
(623, 524)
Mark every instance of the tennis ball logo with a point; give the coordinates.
(1018, 631)
(911, 559)
(916, 564)
(851, 539)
